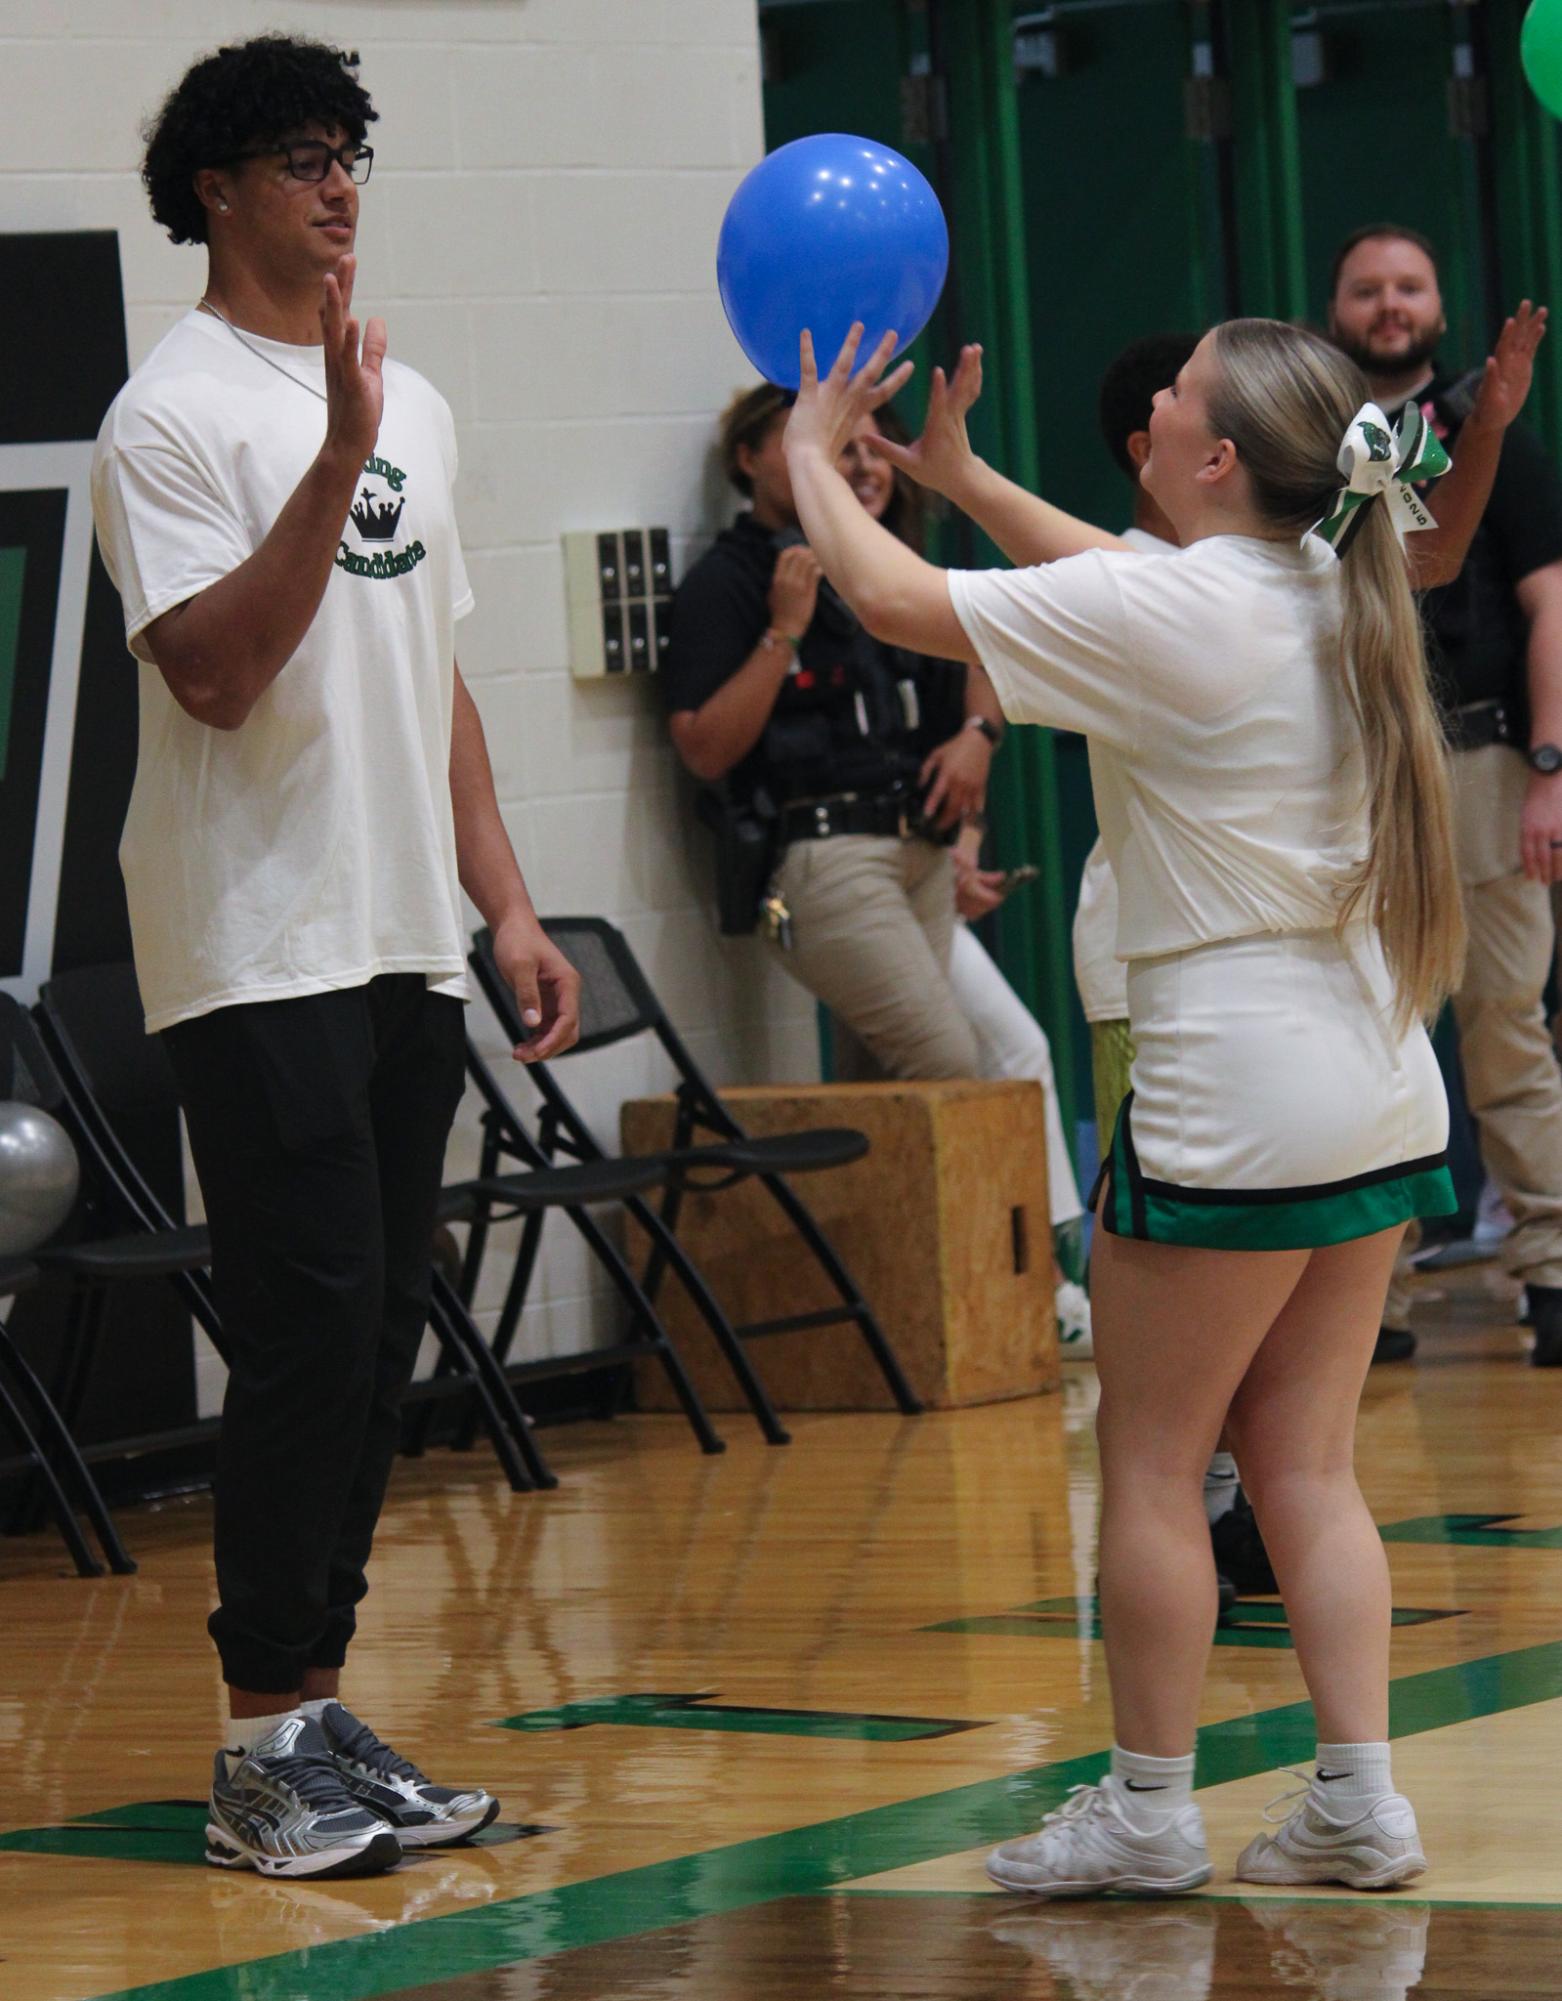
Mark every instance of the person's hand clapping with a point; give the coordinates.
(1510, 368)
(354, 383)
(829, 410)
(794, 591)
(942, 457)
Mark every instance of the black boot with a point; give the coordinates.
(1545, 1316)
(1395, 1344)
(1239, 1548)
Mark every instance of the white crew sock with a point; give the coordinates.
(245, 1732)
(1220, 1486)
(1352, 1771)
(1155, 1785)
(317, 1705)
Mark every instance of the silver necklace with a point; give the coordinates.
(205, 306)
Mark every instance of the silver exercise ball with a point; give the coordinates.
(39, 1176)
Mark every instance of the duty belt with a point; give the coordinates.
(1480, 723)
(851, 813)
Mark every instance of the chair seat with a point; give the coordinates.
(777, 1153)
(150, 1254)
(571, 1186)
(457, 1203)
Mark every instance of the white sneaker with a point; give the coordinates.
(1367, 1844)
(1093, 1844)
(1072, 1306)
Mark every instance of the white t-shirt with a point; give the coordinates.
(314, 846)
(1102, 977)
(1228, 771)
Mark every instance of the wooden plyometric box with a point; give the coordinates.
(944, 1224)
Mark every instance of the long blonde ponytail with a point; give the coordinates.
(1408, 884)
(1284, 398)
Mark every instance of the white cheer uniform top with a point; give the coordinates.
(1099, 973)
(1227, 767)
(314, 846)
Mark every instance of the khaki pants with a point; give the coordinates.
(873, 921)
(1511, 1079)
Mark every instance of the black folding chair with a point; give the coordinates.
(617, 1002)
(116, 1081)
(505, 1138)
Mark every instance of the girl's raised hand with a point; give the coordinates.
(941, 458)
(829, 411)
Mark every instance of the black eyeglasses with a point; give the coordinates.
(312, 159)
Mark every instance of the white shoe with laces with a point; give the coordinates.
(1367, 1844)
(1095, 1843)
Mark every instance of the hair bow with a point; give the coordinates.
(1379, 462)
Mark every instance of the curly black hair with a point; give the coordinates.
(1129, 385)
(244, 96)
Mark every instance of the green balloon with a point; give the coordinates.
(1540, 49)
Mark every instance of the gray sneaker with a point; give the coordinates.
(423, 1815)
(282, 1808)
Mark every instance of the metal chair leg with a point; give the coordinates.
(64, 1515)
(644, 1316)
(92, 1501)
(693, 1282)
(889, 1365)
(509, 1318)
(82, 1325)
(506, 1416)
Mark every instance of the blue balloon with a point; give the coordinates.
(822, 232)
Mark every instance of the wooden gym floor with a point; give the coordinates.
(755, 1719)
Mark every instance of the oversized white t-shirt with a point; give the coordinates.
(1227, 768)
(1102, 977)
(314, 846)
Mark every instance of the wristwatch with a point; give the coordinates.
(994, 735)
(1546, 758)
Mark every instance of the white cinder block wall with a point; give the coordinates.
(540, 237)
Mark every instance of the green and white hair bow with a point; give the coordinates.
(1381, 463)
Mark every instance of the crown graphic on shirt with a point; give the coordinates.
(375, 520)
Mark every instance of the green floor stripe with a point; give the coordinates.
(810, 1860)
(1471, 1532)
(170, 1831)
(1247, 1624)
(704, 1712)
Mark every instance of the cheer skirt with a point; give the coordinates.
(1273, 1104)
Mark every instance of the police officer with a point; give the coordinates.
(860, 760)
